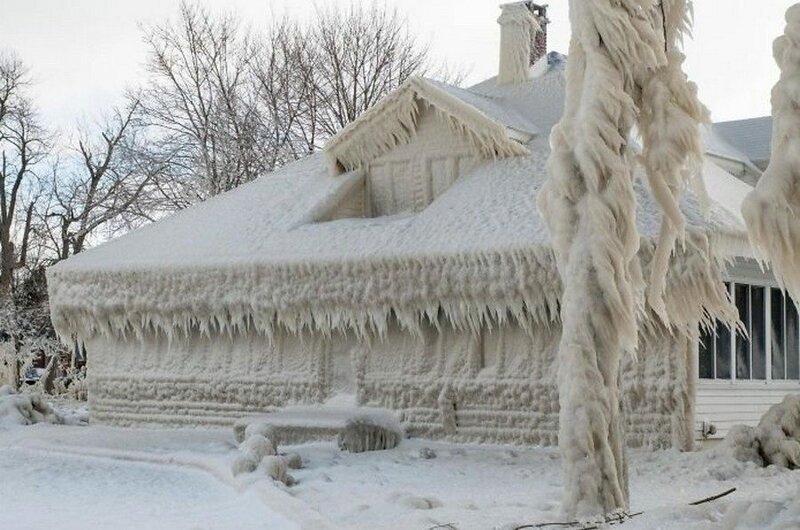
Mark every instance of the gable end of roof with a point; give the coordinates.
(393, 121)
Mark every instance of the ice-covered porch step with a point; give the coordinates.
(356, 429)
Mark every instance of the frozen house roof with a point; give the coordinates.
(258, 257)
(752, 137)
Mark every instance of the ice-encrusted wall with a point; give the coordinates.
(499, 386)
(410, 176)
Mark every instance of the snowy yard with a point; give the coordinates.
(98, 477)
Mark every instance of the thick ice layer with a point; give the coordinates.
(253, 258)
(25, 409)
(776, 439)
(772, 210)
(624, 70)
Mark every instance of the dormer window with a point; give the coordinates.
(416, 142)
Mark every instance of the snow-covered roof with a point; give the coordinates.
(256, 256)
(489, 126)
(752, 137)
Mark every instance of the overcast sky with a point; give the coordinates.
(84, 53)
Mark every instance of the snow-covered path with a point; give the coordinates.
(42, 491)
(55, 476)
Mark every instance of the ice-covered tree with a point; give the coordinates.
(624, 69)
(772, 210)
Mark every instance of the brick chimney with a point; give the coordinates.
(523, 40)
(539, 49)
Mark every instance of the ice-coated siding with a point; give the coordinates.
(409, 177)
(725, 404)
(498, 386)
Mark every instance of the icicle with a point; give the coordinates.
(672, 154)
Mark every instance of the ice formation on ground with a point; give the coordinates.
(256, 451)
(618, 67)
(362, 434)
(102, 477)
(772, 210)
(776, 439)
(356, 429)
(25, 409)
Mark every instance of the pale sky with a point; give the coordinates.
(84, 53)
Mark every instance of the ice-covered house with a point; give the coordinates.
(406, 266)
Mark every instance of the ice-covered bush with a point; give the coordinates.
(776, 439)
(256, 451)
(25, 409)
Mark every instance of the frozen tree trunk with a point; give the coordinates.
(590, 208)
(772, 210)
(620, 70)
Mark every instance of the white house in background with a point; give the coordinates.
(741, 375)
(408, 267)
(751, 137)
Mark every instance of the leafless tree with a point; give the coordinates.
(225, 105)
(23, 147)
(197, 104)
(362, 54)
(103, 185)
(314, 79)
(283, 72)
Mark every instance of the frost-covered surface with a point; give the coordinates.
(77, 478)
(25, 409)
(393, 120)
(772, 210)
(261, 260)
(93, 477)
(624, 71)
(353, 427)
(518, 25)
(774, 441)
(496, 386)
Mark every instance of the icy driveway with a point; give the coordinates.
(40, 491)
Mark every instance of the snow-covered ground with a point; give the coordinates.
(57, 476)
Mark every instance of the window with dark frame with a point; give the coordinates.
(767, 347)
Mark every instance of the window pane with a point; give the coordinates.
(706, 354)
(742, 293)
(759, 331)
(723, 351)
(792, 346)
(777, 340)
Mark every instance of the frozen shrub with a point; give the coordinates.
(293, 460)
(243, 464)
(360, 435)
(743, 445)
(26, 409)
(776, 439)
(275, 467)
(257, 447)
